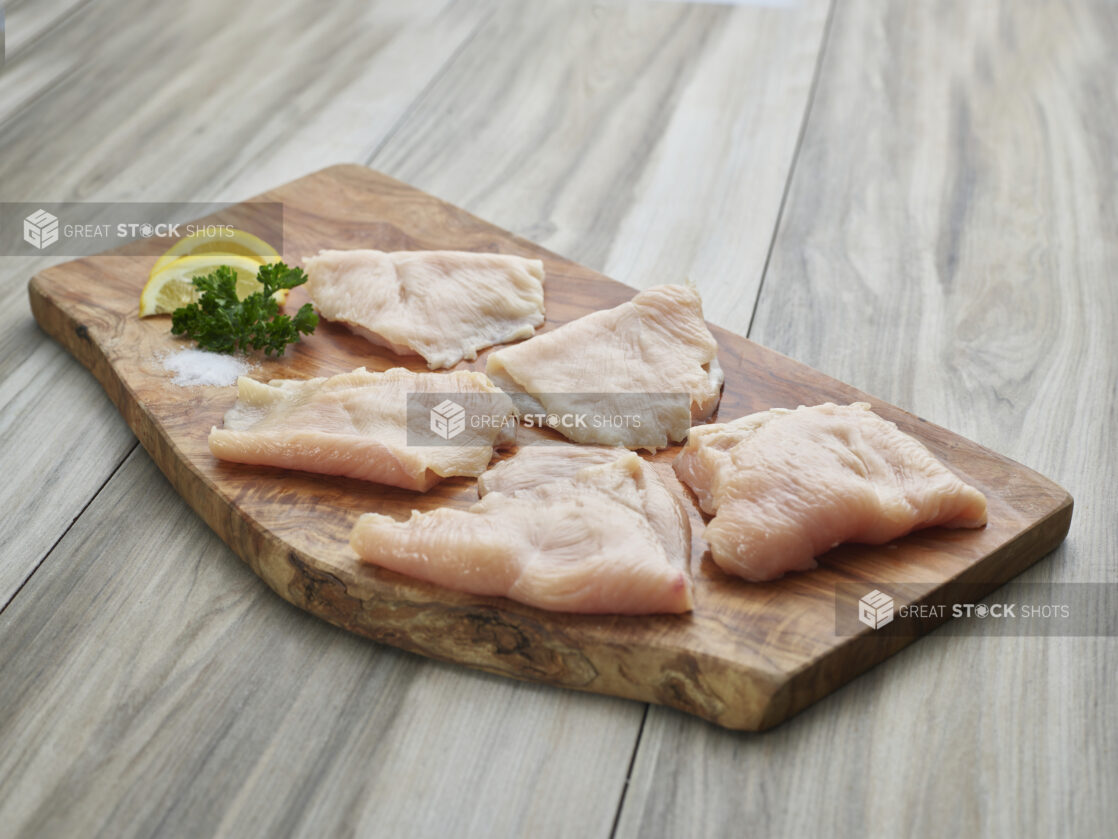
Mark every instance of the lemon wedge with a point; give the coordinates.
(237, 243)
(172, 286)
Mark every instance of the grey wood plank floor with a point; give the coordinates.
(152, 686)
(146, 131)
(954, 255)
(198, 717)
(603, 151)
(913, 198)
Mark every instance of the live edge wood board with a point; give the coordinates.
(748, 657)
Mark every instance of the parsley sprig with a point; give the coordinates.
(219, 322)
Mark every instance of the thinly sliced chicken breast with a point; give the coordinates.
(355, 424)
(539, 464)
(441, 305)
(785, 486)
(652, 358)
(580, 544)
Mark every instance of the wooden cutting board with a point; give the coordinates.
(747, 658)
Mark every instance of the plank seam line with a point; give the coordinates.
(32, 46)
(628, 774)
(438, 77)
(11, 117)
(823, 44)
(68, 528)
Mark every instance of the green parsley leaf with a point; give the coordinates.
(219, 322)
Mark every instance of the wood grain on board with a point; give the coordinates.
(749, 655)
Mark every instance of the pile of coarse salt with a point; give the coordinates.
(194, 368)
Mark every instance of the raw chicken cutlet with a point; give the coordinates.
(442, 305)
(652, 357)
(534, 465)
(785, 486)
(581, 544)
(354, 424)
